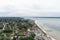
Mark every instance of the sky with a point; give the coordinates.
(18, 8)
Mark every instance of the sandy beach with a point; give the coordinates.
(50, 33)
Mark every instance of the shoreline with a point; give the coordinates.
(43, 30)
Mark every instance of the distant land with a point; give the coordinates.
(46, 17)
(29, 17)
(38, 17)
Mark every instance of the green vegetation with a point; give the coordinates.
(31, 37)
(16, 28)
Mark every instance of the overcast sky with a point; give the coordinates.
(30, 8)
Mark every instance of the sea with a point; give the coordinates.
(51, 26)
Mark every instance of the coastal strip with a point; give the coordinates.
(43, 30)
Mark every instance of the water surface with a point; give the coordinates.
(52, 24)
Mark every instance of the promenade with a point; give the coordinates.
(47, 37)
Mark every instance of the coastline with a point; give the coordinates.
(50, 37)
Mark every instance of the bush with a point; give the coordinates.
(7, 31)
(23, 38)
(33, 35)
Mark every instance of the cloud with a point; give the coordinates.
(29, 8)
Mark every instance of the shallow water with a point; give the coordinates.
(52, 26)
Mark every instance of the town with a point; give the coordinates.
(16, 28)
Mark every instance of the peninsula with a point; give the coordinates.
(16, 28)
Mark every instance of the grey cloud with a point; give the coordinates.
(36, 7)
